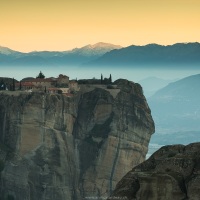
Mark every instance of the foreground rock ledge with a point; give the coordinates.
(54, 147)
(173, 172)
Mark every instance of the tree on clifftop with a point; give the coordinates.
(40, 75)
(101, 79)
(13, 85)
(110, 78)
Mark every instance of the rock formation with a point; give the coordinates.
(173, 172)
(55, 147)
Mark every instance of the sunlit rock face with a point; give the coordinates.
(173, 172)
(56, 147)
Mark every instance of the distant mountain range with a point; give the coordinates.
(176, 107)
(180, 54)
(176, 113)
(152, 84)
(76, 56)
(98, 49)
(104, 55)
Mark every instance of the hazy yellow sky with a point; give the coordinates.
(27, 25)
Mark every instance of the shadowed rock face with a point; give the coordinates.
(173, 172)
(55, 147)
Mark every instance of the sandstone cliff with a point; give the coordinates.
(173, 172)
(54, 147)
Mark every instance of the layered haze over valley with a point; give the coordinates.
(104, 130)
(176, 112)
(100, 100)
(158, 68)
(170, 62)
(155, 67)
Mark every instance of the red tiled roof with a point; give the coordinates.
(25, 84)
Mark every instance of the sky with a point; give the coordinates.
(28, 25)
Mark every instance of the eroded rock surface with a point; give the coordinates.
(54, 147)
(173, 172)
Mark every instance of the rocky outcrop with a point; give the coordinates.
(173, 172)
(54, 147)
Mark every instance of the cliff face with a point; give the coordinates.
(55, 147)
(173, 172)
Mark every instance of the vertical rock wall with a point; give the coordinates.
(56, 147)
(173, 172)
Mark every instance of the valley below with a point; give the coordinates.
(175, 110)
(98, 141)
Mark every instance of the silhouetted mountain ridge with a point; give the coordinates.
(7, 51)
(152, 54)
(104, 54)
(176, 107)
(152, 84)
(76, 56)
(187, 87)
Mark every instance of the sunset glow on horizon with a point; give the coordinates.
(63, 25)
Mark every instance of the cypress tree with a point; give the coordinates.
(13, 84)
(101, 79)
(110, 78)
(40, 75)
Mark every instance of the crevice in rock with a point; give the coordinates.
(114, 166)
